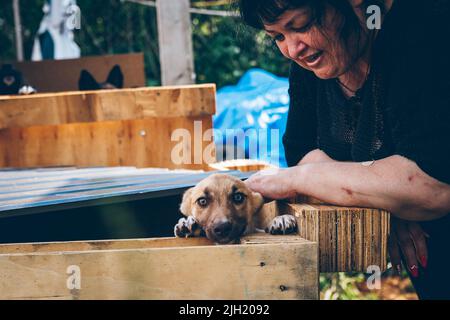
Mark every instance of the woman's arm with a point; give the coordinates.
(395, 184)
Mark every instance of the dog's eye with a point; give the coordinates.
(238, 198)
(202, 202)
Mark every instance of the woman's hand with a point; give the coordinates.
(274, 184)
(409, 239)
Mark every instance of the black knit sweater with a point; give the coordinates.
(403, 108)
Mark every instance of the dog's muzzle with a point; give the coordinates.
(226, 232)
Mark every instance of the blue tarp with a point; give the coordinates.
(258, 107)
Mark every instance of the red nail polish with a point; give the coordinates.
(414, 271)
(423, 261)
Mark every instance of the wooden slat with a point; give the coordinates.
(350, 239)
(57, 247)
(63, 75)
(106, 105)
(244, 165)
(140, 143)
(263, 268)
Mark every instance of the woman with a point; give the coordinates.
(368, 124)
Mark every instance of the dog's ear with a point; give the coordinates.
(115, 77)
(87, 82)
(185, 206)
(257, 201)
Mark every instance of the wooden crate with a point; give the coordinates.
(261, 267)
(128, 127)
(349, 239)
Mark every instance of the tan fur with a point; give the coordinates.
(219, 189)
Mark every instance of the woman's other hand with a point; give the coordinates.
(409, 239)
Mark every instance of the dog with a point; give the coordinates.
(12, 82)
(115, 80)
(222, 208)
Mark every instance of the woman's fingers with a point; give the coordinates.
(407, 246)
(409, 239)
(273, 184)
(420, 243)
(394, 252)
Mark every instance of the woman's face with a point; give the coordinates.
(299, 39)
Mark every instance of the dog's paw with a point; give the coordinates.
(26, 90)
(285, 224)
(188, 227)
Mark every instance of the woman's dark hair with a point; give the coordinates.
(256, 13)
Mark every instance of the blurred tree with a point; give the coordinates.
(224, 49)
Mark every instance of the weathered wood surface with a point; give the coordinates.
(261, 267)
(244, 165)
(63, 75)
(139, 143)
(107, 105)
(130, 127)
(349, 239)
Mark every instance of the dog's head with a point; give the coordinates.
(223, 206)
(114, 80)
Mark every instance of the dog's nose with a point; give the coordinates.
(223, 229)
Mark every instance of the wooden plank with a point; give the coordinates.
(175, 42)
(268, 267)
(349, 239)
(63, 75)
(107, 105)
(244, 165)
(139, 143)
(75, 246)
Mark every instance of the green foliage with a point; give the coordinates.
(343, 286)
(31, 15)
(223, 48)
